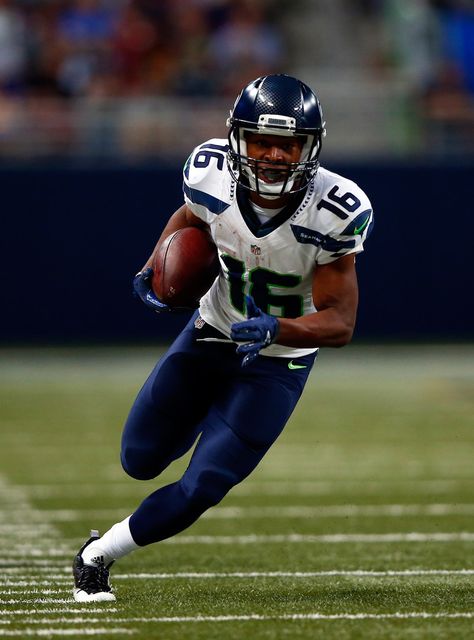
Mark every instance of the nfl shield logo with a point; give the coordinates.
(255, 250)
(199, 322)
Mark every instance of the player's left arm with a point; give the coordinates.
(335, 295)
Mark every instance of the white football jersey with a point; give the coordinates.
(273, 262)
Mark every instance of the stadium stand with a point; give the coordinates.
(117, 78)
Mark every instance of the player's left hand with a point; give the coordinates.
(259, 331)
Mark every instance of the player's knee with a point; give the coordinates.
(207, 489)
(139, 464)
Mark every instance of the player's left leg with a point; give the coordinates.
(164, 420)
(237, 432)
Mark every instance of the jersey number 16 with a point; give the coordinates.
(261, 283)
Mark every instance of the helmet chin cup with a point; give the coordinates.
(271, 191)
(274, 191)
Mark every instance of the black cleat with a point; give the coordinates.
(91, 584)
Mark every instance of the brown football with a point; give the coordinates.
(184, 267)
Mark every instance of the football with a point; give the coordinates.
(184, 267)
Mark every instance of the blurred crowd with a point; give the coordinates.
(63, 61)
(431, 44)
(140, 47)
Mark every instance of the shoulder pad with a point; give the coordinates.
(344, 217)
(346, 209)
(205, 176)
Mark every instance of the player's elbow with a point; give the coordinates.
(344, 335)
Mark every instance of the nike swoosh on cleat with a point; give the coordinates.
(295, 366)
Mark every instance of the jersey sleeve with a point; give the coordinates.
(205, 180)
(349, 222)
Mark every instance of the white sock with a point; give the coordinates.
(114, 544)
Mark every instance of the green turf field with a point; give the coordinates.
(358, 524)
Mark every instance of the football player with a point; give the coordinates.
(287, 233)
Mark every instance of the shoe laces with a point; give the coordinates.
(94, 579)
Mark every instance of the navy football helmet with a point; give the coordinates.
(275, 105)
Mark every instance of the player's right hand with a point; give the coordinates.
(142, 288)
(257, 332)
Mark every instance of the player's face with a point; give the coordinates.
(272, 152)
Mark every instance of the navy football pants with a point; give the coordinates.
(200, 387)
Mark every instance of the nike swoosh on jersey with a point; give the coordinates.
(357, 230)
(295, 366)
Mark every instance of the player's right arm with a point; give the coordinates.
(181, 218)
(201, 178)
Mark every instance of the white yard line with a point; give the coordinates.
(415, 615)
(20, 529)
(16, 566)
(6, 613)
(335, 538)
(43, 549)
(257, 617)
(65, 632)
(342, 511)
(230, 513)
(292, 538)
(361, 485)
(311, 616)
(294, 574)
(15, 589)
(22, 535)
(320, 616)
(29, 546)
(255, 488)
(33, 582)
(19, 586)
(36, 582)
(36, 601)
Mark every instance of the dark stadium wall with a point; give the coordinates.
(73, 237)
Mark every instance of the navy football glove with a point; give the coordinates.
(142, 288)
(259, 331)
